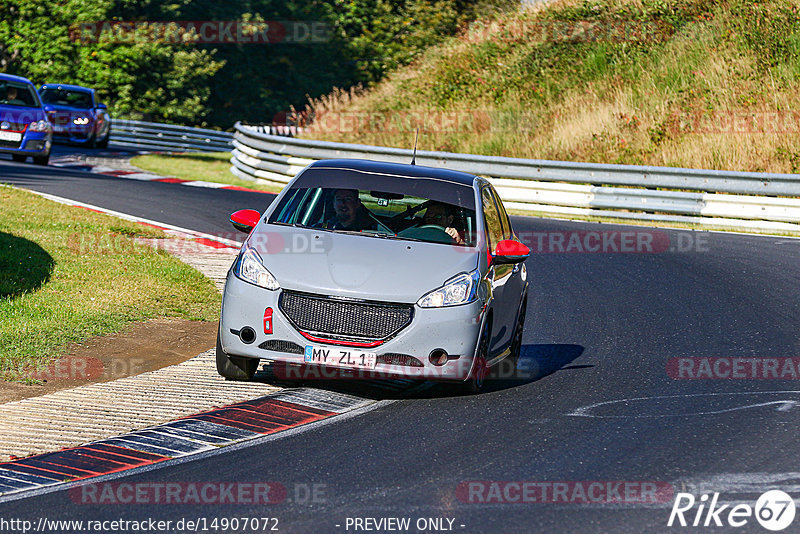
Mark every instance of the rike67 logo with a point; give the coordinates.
(774, 511)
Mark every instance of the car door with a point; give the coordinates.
(499, 274)
(515, 286)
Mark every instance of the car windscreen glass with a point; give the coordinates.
(370, 212)
(67, 97)
(458, 194)
(18, 94)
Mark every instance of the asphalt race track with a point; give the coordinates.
(601, 396)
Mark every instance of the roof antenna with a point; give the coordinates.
(414, 157)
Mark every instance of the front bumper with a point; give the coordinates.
(454, 329)
(32, 144)
(78, 135)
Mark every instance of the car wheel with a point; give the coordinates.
(18, 158)
(91, 142)
(235, 367)
(41, 160)
(474, 384)
(104, 142)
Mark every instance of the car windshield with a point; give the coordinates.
(392, 207)
(18, 94)
(67, 97)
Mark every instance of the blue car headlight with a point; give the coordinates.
(458, 290)
(40, 126)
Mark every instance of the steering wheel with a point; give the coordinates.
(409, 211)
(428, 232)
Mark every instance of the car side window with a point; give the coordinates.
(491, 217)
(504, 220)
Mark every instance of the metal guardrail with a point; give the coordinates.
(169, 137)
(724, 198)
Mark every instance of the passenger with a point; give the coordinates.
(441, 215)
(350, 213)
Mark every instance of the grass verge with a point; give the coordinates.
(708, 84)
(67, 274)
(206, 166)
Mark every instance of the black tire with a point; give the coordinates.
(104, 142)
(41, 160)
(235, 367)
(477, 378)
(18, 158)
(92, 141)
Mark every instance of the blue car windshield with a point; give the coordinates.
(378, 214)
(18, 94)
(67, 97)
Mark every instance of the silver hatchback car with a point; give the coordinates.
(370, 269)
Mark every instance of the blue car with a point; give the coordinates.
(24, 129)
(76, 115)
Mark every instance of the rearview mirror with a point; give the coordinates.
(510, 251)
(245, 220)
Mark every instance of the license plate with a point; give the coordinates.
(339, 357)
(10, 136)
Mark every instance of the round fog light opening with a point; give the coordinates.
(247, 335)
(438, 357)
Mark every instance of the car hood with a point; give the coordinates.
(370, 268)
(20, 115)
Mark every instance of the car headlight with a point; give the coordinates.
(250, 268)
(80, 121)
(460, 289)
(39, 126)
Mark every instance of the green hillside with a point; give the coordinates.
(688, 83)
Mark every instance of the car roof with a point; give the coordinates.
(12, 78)
(402, 169)
(67, 86)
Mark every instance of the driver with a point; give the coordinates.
(350, 213)
(441, 215)
(12, 97)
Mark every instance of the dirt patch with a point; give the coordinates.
(140, 348)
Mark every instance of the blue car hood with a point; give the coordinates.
(357, 266)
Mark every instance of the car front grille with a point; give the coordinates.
(393, 358)
(280, 345)
(10, 144)
(344, 318)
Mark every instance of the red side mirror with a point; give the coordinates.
(245, 220)
(510, 251)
